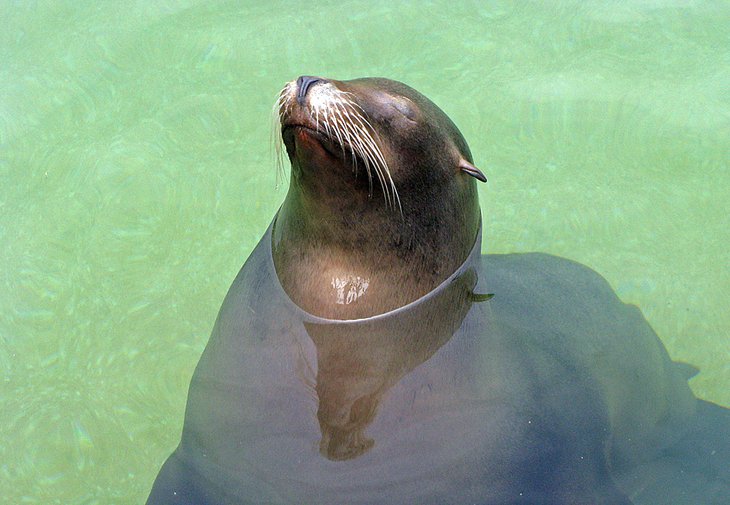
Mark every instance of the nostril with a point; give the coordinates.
(303, 84)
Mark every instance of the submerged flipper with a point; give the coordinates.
(686, 370)
(695, 470)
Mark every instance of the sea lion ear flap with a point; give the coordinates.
(470, 169)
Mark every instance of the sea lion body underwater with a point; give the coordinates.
(367, 353)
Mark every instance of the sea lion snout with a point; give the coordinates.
(305, 82)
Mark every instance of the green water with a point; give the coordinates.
(136, 176)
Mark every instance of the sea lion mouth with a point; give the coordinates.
(328, 144)
(339, 124)
(332, 147)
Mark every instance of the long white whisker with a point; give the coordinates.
(338, 116)
(276, 141)
(364, 127)
(378, 159)
(338, 123)
(347, 135)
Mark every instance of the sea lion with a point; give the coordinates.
(367, 353)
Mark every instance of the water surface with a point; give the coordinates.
(136, 176)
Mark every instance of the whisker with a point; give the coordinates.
(348, 137)
(276, 142)
(365, 127)
(338, 115)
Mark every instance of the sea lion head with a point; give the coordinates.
(367, 134)
(382, 182)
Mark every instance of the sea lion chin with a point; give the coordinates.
(382, 190)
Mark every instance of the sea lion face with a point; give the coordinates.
(366, 136)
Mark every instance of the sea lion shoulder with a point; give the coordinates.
(551, 275)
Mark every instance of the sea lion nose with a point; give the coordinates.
(303, 84)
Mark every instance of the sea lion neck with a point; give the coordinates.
(360, 264)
